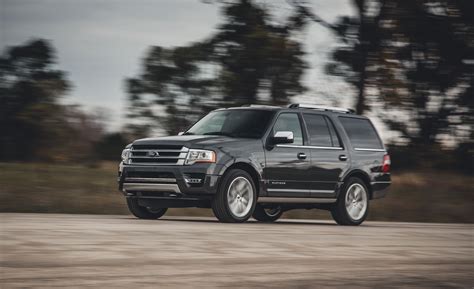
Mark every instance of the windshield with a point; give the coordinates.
(233, 123)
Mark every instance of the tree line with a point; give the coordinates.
(34, 124)
(411, 64)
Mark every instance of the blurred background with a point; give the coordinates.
(81, 79)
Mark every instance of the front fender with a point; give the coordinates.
(255, 163)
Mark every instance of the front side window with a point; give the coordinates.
(234, 123)
(290, 122)
(361, 132)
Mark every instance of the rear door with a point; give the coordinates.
(329, 158)
(286, 169)
(367, 149)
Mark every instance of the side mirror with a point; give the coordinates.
(181, 133)
(281, 137)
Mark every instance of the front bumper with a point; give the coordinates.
(150, 187)
(198, 181)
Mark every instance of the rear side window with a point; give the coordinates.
(321, 132)
(361, 132)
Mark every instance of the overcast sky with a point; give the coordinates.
(101, 42)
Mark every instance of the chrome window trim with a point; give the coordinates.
(311, 147)
(370, 150)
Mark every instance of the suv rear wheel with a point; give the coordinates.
(352, 206)
(270, 214)
(236, 198)
(143, 212)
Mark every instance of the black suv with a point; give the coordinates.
(260, 161)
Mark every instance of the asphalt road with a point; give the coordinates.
(92, 251)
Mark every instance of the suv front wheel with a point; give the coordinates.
(236, 198)
(352, 206)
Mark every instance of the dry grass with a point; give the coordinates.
(59, 188)
(428, 197)
(414, 196)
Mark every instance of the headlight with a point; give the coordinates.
(125, 155)
(200, 156)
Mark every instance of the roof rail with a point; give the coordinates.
(321, 107)
(260, 105)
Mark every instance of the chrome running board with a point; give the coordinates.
(296, 200)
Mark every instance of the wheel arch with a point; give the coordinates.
(251, 170)
(362, 176)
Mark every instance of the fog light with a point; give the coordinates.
(193, 181)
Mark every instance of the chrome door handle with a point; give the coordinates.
(343, 158)
(301, 156)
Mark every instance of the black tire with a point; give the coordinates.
(340, 212)
(143, 212)
(220, 203)
(264, 215)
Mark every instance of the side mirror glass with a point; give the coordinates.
(181, 133)
(282, 137)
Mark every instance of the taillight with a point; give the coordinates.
(386, 164)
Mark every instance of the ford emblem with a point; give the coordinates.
(153, 154)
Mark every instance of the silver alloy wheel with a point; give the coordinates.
(356, 201)
(240, 197)
(272, 212)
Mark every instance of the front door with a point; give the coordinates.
(287, 165)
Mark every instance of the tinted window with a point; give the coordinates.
(234, 123)
(318, 130)
(289, 122)
(361, 132)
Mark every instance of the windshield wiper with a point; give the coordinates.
(219, 133)
(188, 133)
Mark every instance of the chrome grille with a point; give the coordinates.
(158, 154)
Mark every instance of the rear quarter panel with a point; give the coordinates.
(364, 161)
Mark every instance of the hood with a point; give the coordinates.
(190, 141)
